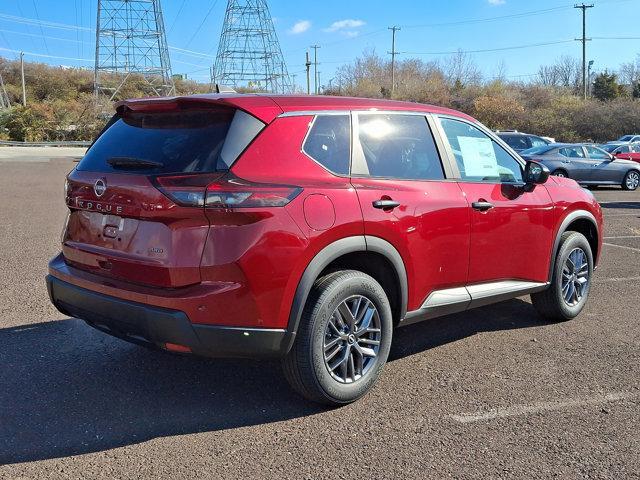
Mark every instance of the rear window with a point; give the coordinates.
(185, 141)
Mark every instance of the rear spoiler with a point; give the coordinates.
(261, 107)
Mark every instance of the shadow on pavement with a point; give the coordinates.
(68, 389)
(622, 205)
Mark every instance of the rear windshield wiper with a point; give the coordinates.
(133, 163)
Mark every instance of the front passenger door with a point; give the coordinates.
(511, 228)
(602, 169)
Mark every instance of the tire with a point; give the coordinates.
(306, 367)
(551, 303)
(631, 180)
(560, 173)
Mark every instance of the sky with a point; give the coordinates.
(62, 32)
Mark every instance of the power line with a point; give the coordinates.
(173, 24)
(486, 50)
(201, 24)
(42, 55)
(491, 19)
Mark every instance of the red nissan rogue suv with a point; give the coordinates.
(308, 228)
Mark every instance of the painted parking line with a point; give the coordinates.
(538, 407)
(621, 215)
(622, 246)
(619, 279)
(622, 237)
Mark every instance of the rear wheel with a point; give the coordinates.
(631, 180)
(343, 339)
(567, 295)
(560, 173)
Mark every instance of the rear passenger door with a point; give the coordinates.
(578, 166)
(408, 198)
(511, 228)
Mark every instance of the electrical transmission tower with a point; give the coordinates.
(131, 44)
(249, 53)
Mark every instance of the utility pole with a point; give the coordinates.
(308, 65)
(315, 67)
(24, 88)
(589, 77)
(393, 53)
(584, 41)
(318, 87)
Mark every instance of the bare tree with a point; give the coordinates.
(629, 73)
(460, 68)
(565, 72)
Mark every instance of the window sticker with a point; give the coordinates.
(479, 157)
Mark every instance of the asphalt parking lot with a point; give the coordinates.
(491, 393)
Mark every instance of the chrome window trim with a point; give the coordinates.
(313, 113)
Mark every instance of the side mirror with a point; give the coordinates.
(535, 174)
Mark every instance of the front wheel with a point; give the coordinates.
(343, 339)
(631, 180)
(567, 295)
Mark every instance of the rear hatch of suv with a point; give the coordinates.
(136, 200)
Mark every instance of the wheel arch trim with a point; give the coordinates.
(344, 246)
(564, 225)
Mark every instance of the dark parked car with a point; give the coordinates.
(586, 164)
(307, 228)
(522, 141)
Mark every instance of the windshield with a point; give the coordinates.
(626, 138)
(537, 150)
(182, 141)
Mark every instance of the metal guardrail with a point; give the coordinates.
(4, 143)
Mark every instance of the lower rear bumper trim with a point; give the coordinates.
(155, 326)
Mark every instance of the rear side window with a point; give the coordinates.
(399, 146)
(184, 141)
(329, 142)
(572, 152)
(517, 142)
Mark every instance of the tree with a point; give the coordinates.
(498, 112)
(636, 90)
(606, 87)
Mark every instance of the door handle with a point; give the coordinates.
(482, 206)
(385, 204)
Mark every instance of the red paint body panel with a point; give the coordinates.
(430, 230)
(629, 156)
(242, 266)
(133, 232)
(513, 239)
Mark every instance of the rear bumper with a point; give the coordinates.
(157, 326)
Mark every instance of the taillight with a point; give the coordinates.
(186, 190)
(216, 191)
(236, 193)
